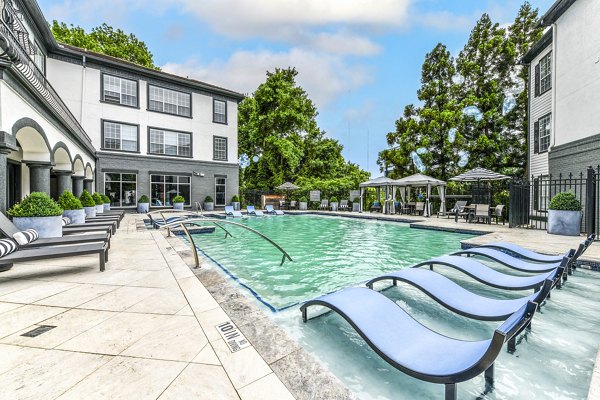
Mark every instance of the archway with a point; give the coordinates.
(36, 153)
(78, 175)
(60, 179)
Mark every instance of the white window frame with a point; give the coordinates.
(159, 97)
(546, 73)
(545, 132)
(170, 142)
(224, 192)
(124, 90)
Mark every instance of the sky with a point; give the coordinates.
(358, 60)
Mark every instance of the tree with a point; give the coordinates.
(279, 136)
(106, 40)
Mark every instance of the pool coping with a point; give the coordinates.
(303, 375)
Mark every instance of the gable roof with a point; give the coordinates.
(556, 10)
(538, 47)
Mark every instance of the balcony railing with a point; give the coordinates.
(14, 51)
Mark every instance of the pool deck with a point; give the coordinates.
(146, 327)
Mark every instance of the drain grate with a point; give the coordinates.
(38, 331)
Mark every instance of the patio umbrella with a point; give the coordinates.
(287, 187)
(479, 174)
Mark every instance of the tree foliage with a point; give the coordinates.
(106, 40)
(484, 74)
(280, 138)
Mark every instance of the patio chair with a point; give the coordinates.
(431, 356)
(458, 208)
(324, 205)
(230, 212)
(44, 253)
(293, 205)
(112, 225)
(419, 207)
(9, 229)
(344, 205)
(250, 210)
(482, 211)
(105, 218)
(498, 213)
(376, 206)
(270, 210)
(458, 299)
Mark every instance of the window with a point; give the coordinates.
(219, 148)
(543, 75)
(119, 90)
(220, 191)
(117, 136)
(39, 58)
(542, 129)
(121, 188)
(169, 101)
(219, 111)
(164, 187)
(170, 143)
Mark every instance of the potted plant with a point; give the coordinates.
(178, 202)
(88, 203)
(235, 202)
(564, 215)
(72, 207)
(333, 203)
(209, 205)
(356, 204)
(106, 202)
(303, 203)
(143, 205)
(40, 212)
(99, 203)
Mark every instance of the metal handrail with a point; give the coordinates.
(198, 221)
(161, 212)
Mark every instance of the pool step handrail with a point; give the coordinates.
(217, 222)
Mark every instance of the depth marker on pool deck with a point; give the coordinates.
(232, 336)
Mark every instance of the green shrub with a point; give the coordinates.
(143, 199)
(333, 200)
(303, 199)
(208, 199)
(235, 199)
(105, 199)
(565, 201)
(86, 199)
(37, 204)
(178, 199)
(68, 201)
(356, 200)
(97, 199)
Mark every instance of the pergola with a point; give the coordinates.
(420, 180)
(378, 183)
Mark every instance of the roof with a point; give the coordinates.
(556, 10)
(479, 174)
(103, 59)
(538, 47)
(419, 180)
(381, 181)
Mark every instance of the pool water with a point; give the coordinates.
(329, 253)
(553, 361)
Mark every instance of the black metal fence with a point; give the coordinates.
(530, 199)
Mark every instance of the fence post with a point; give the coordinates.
(590, 202)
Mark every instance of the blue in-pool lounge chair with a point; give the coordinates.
(251, 210)
(415, 349)
(230, 212)
(458, 299)
(270, 210)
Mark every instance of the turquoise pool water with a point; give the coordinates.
(328, 253)
(553, 361)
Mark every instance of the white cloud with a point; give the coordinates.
(445, 21)
(323, 76)
(344, 43)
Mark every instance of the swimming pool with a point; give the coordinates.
(554, 361)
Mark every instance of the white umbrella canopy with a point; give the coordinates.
(419, 180)
(479, 174)
(287, 186)
(378, 182)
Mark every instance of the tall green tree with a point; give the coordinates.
(106, 40)
(279, 136)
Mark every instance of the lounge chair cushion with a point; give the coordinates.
(66, 221)
(26, 236)
(7, 246)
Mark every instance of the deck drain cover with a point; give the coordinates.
(38, 331)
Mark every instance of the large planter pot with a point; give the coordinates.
(106, 206)
(356, 207)
(566, 223)
(76, 216)
(334, 206)
(236, 205)
(46, 227)
(177, 206)
(143, 208)
(90, 212)
(99, 209)
(303, 205)
(209, 206)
